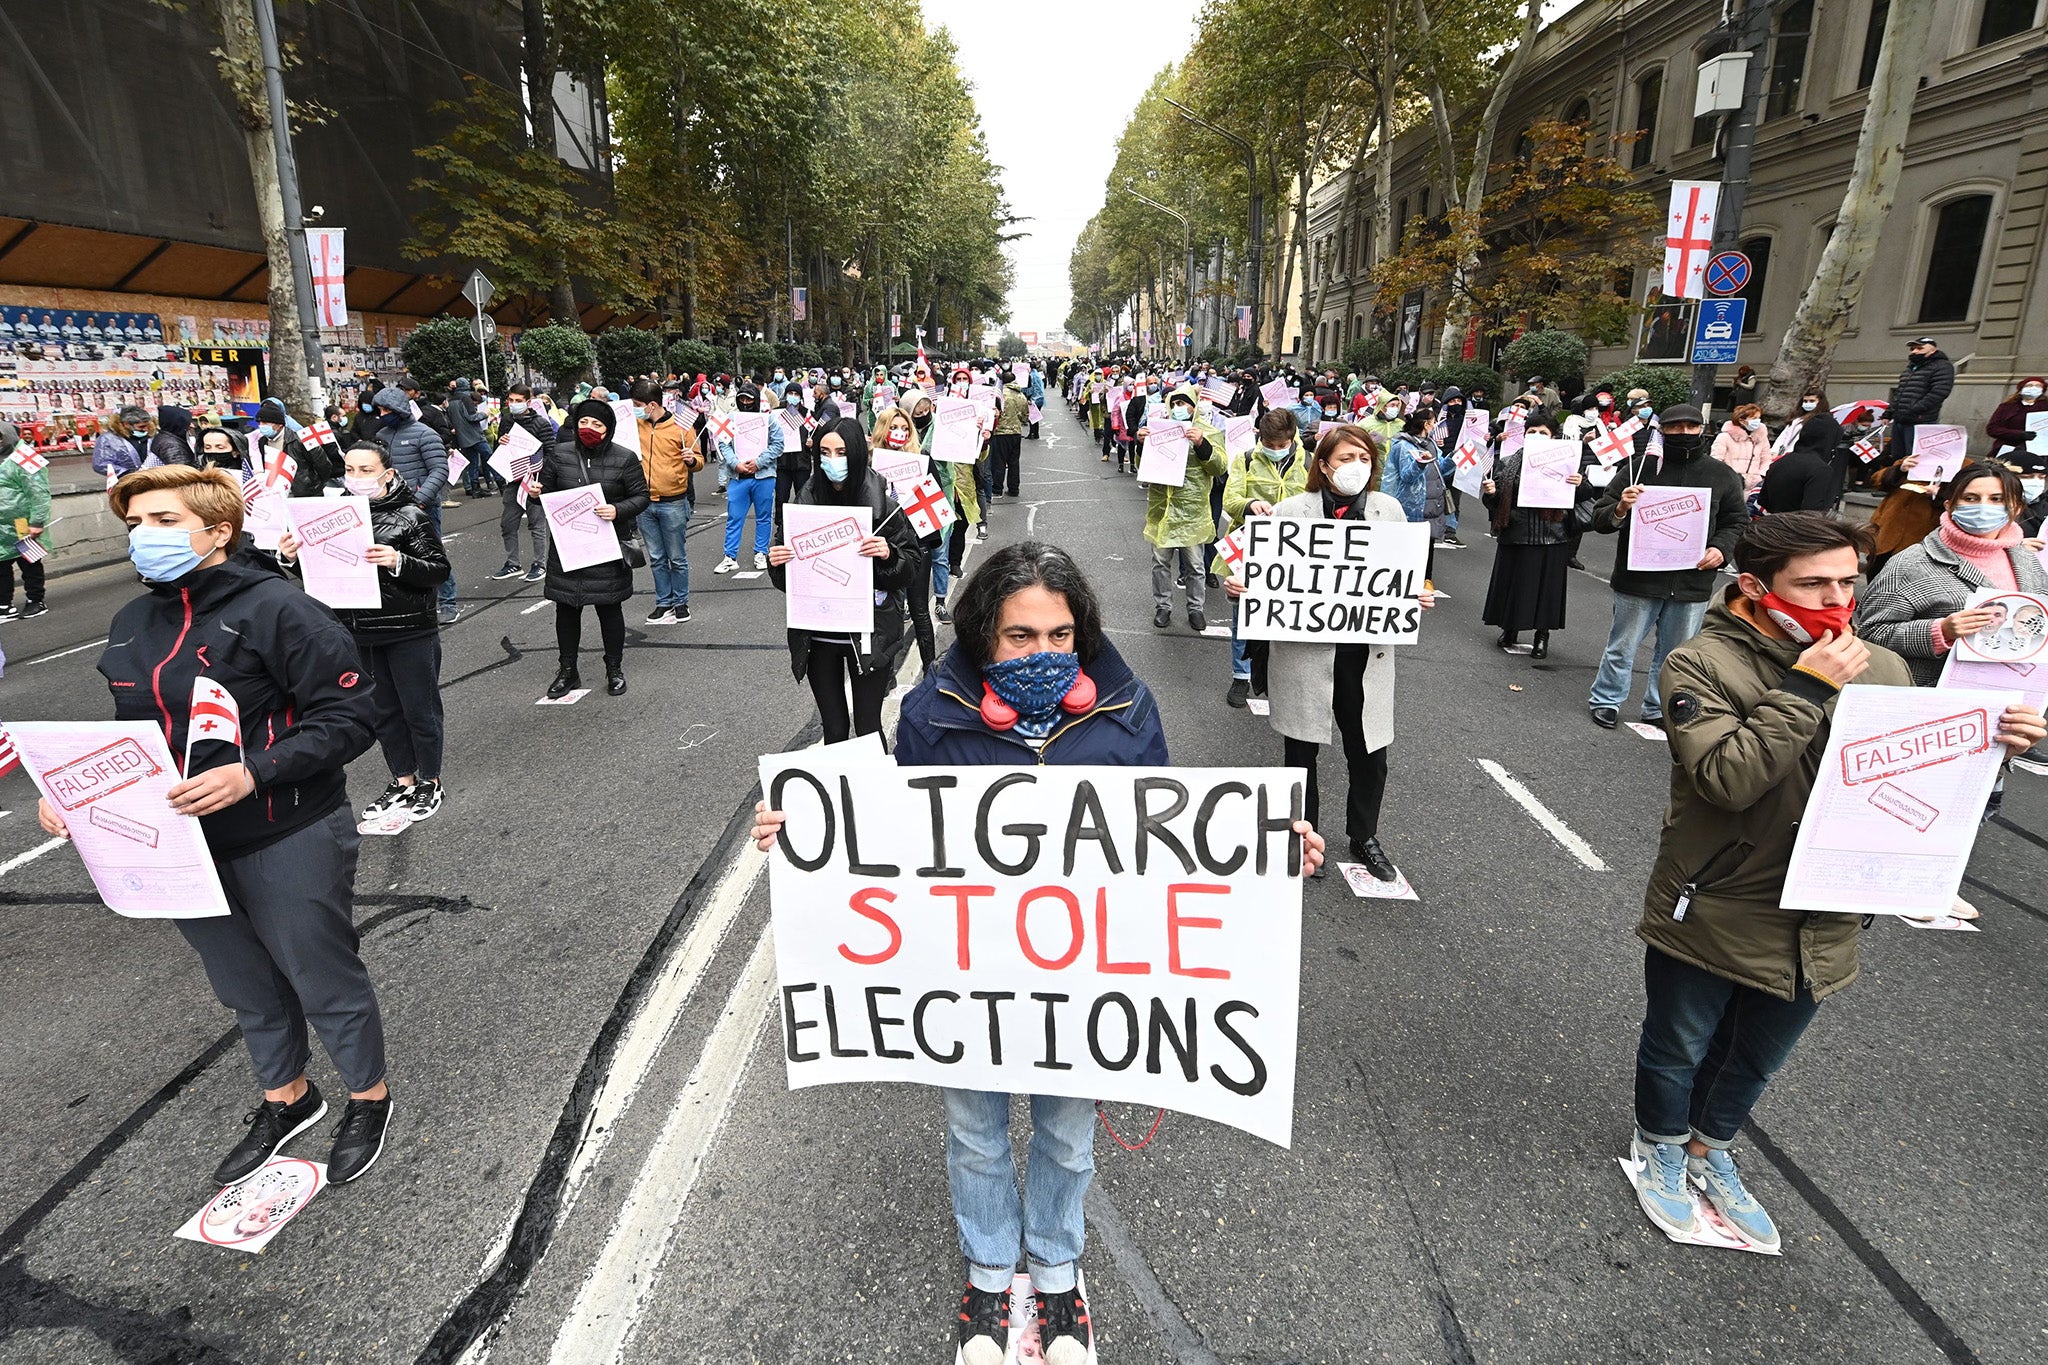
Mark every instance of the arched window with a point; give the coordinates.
(1955, 253)
(1788, 59)
(1581, 111)
(1649, 94)
(1525, 146)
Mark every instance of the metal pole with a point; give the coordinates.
(789, 271)
(288, 191)
(1751, 37)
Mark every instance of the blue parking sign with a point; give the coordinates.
(1717, 331)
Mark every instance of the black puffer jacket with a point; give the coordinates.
(569, 464)
(410, 604)
(1923, 387)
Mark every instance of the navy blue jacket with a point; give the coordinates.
(941, 724)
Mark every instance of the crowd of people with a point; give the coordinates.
(1743, 673)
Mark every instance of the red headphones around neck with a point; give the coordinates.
(998, 714)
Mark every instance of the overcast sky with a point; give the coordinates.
(1055, 83)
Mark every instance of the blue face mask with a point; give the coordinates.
(1034, 685)
(267, 431)
(394, 419)
(1981, 518)
(834, 467)
(162, 554)
(792, 399)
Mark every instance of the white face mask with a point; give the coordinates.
(2033, 488)
(1808, 404)
(2031, 392)
(1753, 423)
(1350, 479)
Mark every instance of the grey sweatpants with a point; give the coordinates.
(288, 955)
(1184, 561)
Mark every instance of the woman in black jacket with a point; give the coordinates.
(867, 661)
(172, 443)
(587, 456)
(1532, 553)
(1820, 436)
(399, 639)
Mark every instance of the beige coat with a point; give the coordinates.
(1300, 677)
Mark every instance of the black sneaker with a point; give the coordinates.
(30, 610)
(1064, 1336)
(1240, 688)
(1606, 717)
(7, 611)
(984, 1327)
(272, 1124)
(1162, 617)
(1197, 622)
(658, 617)
(511, 570)
(393, 796)
(1369, 852)
(359, 1141)
(941, 613)
(536, 573)
(423, 799)
(679, 616)
(615, 681)
(566, 681)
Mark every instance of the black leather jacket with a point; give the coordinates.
(410, 590)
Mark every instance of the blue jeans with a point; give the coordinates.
(1240, 650)
(1708, 1048)
(447, 590)
(981, 1168)
(941, 577)
(744, 492)
(662, 526)
(1634, 618)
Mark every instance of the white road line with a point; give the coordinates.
(541, 605)
(608, 1307)
(21, 859)
(452, 535)
(1541, 814)
(65, 653)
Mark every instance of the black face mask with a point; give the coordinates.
(1683, 445)
(395, 419)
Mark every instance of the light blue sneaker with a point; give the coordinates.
(1660, 1185)
(1717, 1178)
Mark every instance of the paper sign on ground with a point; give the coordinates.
(626, 425)
(1710, 1229)
(956, 435)
(1365, 886)
(1895, 808)
(1240, 434)
(1547, 467)
(830, 583)
(582, 538)
(1144, 948)
(107, 780)
(246, 1215)
(517, 453)
(1332, 582)
(1939, 451)
(1163, 459)
(334, 542)
(1670, 529)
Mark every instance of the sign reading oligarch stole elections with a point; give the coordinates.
(1127, 934)
(1333, 582)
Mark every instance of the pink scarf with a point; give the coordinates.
(1987, 554)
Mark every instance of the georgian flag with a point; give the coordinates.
(8, 756)
(215, 715)
(28, 459)
(319, 433)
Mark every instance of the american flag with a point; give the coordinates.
(28, 459)
(8, 756)
(31, 551)
(215, 715)
(252, 487)
(524, 466)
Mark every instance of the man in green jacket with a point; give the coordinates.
(1270, 473)
(1733, 979)
(1178, 522)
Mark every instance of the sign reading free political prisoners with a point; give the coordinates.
(1333, 582)
(1129, 934)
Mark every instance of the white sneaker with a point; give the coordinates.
(394, 795)
(760, 561)
(726, 565)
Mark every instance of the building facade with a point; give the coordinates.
(1960, 258)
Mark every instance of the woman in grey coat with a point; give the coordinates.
(1312, 685)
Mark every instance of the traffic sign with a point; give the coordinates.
(478, 290)
(1728, 273)
(1717, 332)
(481, 326)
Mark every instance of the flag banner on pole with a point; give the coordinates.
(319, 433)
(1244, 322)
(215, 715)
(9, 756)
(1689, 237)
(330, 288)
(799, 304)
(895, 325)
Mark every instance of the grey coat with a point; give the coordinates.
(1921, 584)
(1301, 677)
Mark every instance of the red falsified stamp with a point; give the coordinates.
(100, 773)
(1916, 746)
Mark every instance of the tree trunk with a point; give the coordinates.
(1457, 320)
(241, 67)
(537, 55)
(1808, 349)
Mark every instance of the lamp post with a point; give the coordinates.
(1188, 247)
(1258, 207)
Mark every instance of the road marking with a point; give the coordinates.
(452, 535)
(537, 607)
(65, 653)
(22, 859)
(608, 1307)
(1542, 815)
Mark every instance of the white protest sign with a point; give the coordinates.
(107, 781)
(830, 583)
(334, 543)
(1278, 393)
(749, 435)
(956, 438)
(1163, 459)
(2027, 675)
(1938, 452)
(582, 538)
(1126, 934)
(897, 466)
(2037, 433)
(265, 519)
(1670, 530)
(1332, 582)
(1896, 805)
(1547, 467)
(518, 454)
(2018, 633)
(626, 425)
(1240, 434)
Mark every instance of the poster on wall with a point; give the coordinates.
(1410, 344)
(1666, 335)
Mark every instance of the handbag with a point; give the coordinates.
(632, 552)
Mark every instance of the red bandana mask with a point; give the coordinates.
(1807, 624)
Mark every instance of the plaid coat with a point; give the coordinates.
(1920, 585)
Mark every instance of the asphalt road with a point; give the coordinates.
(594, 1156)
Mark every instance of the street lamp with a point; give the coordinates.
(1187, 240)
(1258, 206)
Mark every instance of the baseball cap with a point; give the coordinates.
(1923, 341)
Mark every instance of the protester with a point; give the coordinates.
(24, 518)
(669, 454)
(313, 465)
(421, 459)
(1006, 442)
(1670, 602)
(1745, 446)
(466, 421)
(751, 484)
(864, 663)
(519, 502)
(122, 447)
(1732, 980)
(1178, 519)
(220, 448)
(1924, 385)
(1804, 479)
(1262, 478)
(896, 431)
(1031, 679)
(274, 809)
(1310, 684)
(2010, 439)
(170, 444)
(399, 640)
(588, 457)
(1532, 550)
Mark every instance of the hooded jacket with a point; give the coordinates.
(24, 495)
(410, 593)
(413, 449)
(1181, 516)
(462, 416)
(941, 725)
(1729, 514)
(172, 444)
(292, 669)
(614, 469)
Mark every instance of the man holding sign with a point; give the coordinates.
(1665, 565)
(1032, 681)
(1178, 519)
